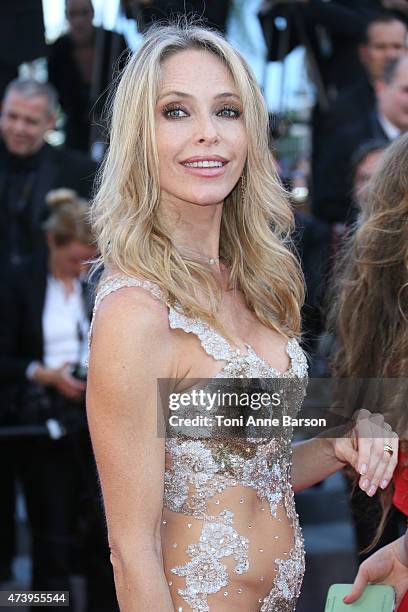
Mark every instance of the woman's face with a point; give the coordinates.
(200, 132)
(71, 259)
(364, 172)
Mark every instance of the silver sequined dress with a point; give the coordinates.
(230, 533)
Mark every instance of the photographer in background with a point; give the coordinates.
(45, 308)
(331, 31)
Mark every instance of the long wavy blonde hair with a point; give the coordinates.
(256, 222)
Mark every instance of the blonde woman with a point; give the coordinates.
(193, 227)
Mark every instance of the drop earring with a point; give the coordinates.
(243, 188)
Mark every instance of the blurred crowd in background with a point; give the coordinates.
(355, 54)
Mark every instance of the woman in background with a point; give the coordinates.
(45, 311)
(372, 316)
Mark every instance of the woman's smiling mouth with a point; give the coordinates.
(205, 166)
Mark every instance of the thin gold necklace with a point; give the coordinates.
(210, 260)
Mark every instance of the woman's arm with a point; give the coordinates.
(388, 565)
(313, 461)
(362, 448)
(131, 349)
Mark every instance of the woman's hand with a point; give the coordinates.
(61, 379)
(386, 566)
(365, 450)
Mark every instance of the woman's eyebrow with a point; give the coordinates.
(182, 94)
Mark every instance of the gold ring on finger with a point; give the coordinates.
(388, 449)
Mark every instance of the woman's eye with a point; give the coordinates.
(174, 113)
(229, 111)
(177, 112)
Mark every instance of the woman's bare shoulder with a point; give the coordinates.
(133, 304)
(131, 323)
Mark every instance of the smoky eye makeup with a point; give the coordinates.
(231, 111)
(175, 110)
(170, 110)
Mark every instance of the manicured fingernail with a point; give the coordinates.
(372, 490)
(364, 484)
(363, 469)
(384, 484)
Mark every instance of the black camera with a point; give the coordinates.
(79, 371)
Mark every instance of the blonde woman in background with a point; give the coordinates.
(200, 282)
(45, 310)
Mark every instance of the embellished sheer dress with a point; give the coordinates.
(231, 538)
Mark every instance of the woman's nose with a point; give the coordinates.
(207, 131)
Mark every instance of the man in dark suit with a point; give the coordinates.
(385, 38)
(30, 168)
(332, 189)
